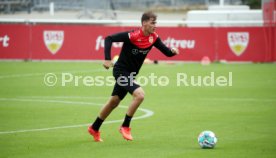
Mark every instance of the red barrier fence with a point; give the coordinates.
(86, 42)
(269, 18)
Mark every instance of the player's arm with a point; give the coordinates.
(164, 49)
(119, 37)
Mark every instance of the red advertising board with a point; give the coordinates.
(75, 42)
(14, 41)
(274, 41)
(269, 16)
(86, 42)
(242, 44)
(193, 43)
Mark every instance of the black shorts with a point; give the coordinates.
(124, 83)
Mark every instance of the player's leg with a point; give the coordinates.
(138, 97)
(117, 95)
(112, 103)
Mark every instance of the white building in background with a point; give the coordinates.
(225, 15)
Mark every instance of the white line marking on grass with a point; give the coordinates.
(4, 76)
(50, 101)
(63, 97)
(240, 99)
(43, 73)
(147, 112)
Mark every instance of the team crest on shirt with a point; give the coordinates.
(238, 42)
(150, 39)
(53, 40)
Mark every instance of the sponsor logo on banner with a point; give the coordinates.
(53, 40)
(179, 43)
(238, 42)
(100, 43)
(4, 40)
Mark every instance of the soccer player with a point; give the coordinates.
(137, 44)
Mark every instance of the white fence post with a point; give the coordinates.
(52, 8)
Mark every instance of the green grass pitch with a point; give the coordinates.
(42, 121)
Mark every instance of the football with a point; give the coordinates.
(207, 140)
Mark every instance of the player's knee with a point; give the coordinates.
(139, 95)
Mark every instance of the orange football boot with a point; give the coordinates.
(125, 131)
(95, 134)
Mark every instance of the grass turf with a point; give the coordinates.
(242, 116)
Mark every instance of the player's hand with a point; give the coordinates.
(175, 50)
(107, 64)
